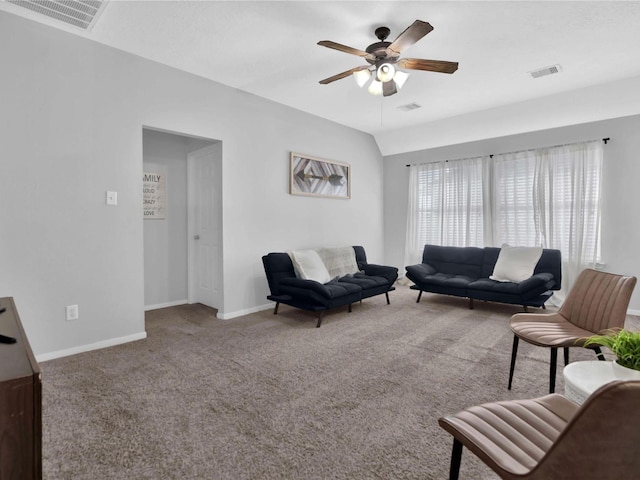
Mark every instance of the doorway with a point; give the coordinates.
(179, 268)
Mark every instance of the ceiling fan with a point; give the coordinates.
(384, 60)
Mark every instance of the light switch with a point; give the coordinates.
(112, 198)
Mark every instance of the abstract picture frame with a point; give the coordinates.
(319, 177)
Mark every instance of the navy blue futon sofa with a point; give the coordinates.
(465, 271)
(310, 295)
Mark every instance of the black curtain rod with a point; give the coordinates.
(605, 140)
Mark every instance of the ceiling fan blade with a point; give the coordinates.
(411, 35)
(342, 75)
(428, 65)
(345, 49)
(389, 88)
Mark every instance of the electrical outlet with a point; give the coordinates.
(72, 312)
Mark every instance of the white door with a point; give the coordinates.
(205, 226)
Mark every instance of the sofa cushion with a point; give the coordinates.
(465, 261)
(422, 274)
(365, 281)
(448, 280)
(317, 291)
(487, 289)
(515, 264)
(419, 271)
(446, 283)
(309, 266)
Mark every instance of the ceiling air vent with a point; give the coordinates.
(409, 106)
(541, 72)
(80, 13)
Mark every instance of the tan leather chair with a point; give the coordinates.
(553, 438)
(598, 301)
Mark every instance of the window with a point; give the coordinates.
(450, 203)
(512, 211)
(549, 197)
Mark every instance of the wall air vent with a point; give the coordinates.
(409, 106)
(79, 13)
(541, 72)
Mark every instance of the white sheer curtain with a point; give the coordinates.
(548, 197)
(566, 195)
(445, 206)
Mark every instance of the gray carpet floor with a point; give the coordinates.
(271, 397)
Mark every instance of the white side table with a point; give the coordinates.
(581, 379)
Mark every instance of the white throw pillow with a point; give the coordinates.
(308, 265)
(515, 264)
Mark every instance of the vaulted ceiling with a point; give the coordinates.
(270, 49)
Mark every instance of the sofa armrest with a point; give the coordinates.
(309, 285)
(419, 271)
(390, 273)
(536, 281)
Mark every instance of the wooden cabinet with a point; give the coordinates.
(20, 402)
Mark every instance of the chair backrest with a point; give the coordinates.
(601, 440)
(598, 300)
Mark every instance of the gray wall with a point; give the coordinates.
(621, 196)
(72, 115)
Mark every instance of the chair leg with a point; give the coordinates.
(456, 458)
(552, 370)
(599, 353)
(419, 295)
(386, 294)
(275, 310)
(514, 352)
(319, 319)
(566, 356)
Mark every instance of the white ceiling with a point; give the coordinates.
(270, 49)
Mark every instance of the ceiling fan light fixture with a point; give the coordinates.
(361, 77)
(386, 72)
(375, 88)
(400, 78)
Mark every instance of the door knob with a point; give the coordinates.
(196, 237)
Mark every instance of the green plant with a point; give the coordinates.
(623, 343)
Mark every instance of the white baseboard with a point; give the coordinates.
(246, 311)
(633, 312)
(165, 305)
(92, 346)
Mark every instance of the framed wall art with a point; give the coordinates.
(318, 177)
(154, 195)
